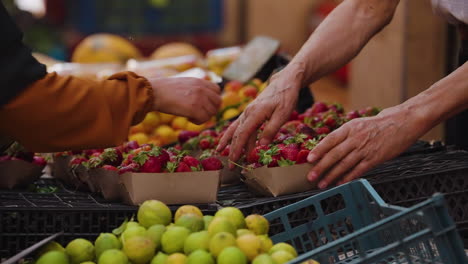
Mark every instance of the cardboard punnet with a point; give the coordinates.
(171, 188)
(279, 180)
(15, 173)
(107, 183)
(61, 169)
(229, 176)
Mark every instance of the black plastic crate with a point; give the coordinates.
(28, 217)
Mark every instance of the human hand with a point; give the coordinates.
(274, 106)
(361, 144)
(194, 98)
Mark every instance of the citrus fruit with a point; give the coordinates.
(207, 219)
(166, 134)
(263, 259)
(231, 113)
(151, 120)
(250, 245)
(153, 212)
(139, 250)
(88, 262)
(284, 247)
(192, 222)
(281, 256)
(231, 255)
(112, 256)
(258, 224)
(221, 224)
(221, 241)
(233, 86)
(166, 118)
(179, 122)
(160, 258)
(140, 137)
(132, 231)
(200, 257)
(195, 241)
(266, 243)
(132, 224)
(53, 257)
(104, 242)
(176, 258)
(173, 239)
(229, 98)
(194, 127)
(80, 250)
(187, 209)
(310, 261)
(51, 246)
(104, 48)
(234, 215)
(241, 232)
(175, 49)
(155, 233)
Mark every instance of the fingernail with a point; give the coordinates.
(263, 142)
(322, 185)
(311, 158)
(313, 176)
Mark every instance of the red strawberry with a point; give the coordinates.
(319, 107)
(322, 130)
(152, 161)
(306, 130)
(290, 152)
(132, 167)
(352, 115)
(91, 152)
(337, 108)
(292, 125)
(112, 156)
(274, 162)
(191, 161)
(129, 146)
(206, 143)
(254, 154)
(294, 115)
(40, 161)
(208, 133)
(5, 158)
(95, 162)
(75, 161)
(226, 151)
(186, 135)
(270, 156)
(330, 121)
(152, 165)
(212, 164)
(302, 156)
(95, 154)
(281, 137)
(183, 167)
(110, 168)
(250, 91)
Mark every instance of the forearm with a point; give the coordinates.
(61, 113)
(339, 38)
(444, 99)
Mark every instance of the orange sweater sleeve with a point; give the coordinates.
(60, 113)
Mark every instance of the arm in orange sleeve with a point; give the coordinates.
(58, 113)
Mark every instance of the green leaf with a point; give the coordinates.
(119, 230)
(171, 166)
(285, 162)
(195, 168)
(141, 158)
(311, 144)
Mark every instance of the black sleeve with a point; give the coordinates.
(18, 68)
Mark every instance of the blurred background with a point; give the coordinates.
(415, 50)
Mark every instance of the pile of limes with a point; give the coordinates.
(192, 238)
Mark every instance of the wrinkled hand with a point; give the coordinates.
(359, 145)
(274, 106)
(194, 98)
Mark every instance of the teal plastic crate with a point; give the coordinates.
(364, 229)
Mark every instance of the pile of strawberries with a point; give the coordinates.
(17, 152)
(301, 134)
(145, 158)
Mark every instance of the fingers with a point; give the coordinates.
(357, 172)
(247, 127)
(227, 135)
(328, 143)
(213, 98)
(272, 127)
(213, 87)
(340, 169)
(251, 143)
(331, 158)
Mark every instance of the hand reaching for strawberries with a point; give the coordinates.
(273, 106)
(363, 143)
(194, 98)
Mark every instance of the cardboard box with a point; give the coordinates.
(228, 176)
(107, 183)
(171, 188)
(279, 180)
(14, 173)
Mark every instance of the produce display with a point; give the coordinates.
(188, 236)
(161, 129)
